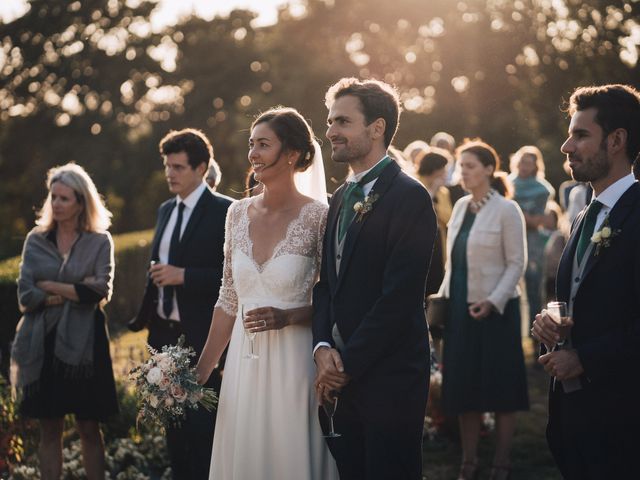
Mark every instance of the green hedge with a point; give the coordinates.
(132, 257)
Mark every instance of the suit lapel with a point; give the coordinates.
(381, 186)
(617, 216)
(162, 224)
(332, 223)
(197, 214)
(563, 277)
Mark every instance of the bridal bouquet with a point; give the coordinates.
(166, 386)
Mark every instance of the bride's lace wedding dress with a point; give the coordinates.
(267, 423)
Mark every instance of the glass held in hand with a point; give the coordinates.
(330, 407)
(251, 335)
(559, 313)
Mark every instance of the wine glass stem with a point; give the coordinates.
(251, 342)
(331, 423)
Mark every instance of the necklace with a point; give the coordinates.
(475, 206)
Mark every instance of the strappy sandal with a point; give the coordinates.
(468, 470)
(500, 472)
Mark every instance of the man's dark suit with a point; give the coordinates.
(377, 302)
(594, 433)
(201, 255)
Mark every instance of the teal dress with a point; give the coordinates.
(532, 194)
(483, 363)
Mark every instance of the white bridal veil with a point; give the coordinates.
(312, 182)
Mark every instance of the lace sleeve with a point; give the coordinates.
(228, 299)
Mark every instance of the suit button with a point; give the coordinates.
(577, 279)
(338, 257)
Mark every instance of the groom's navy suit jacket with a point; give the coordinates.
(606, 335)
(377, 297)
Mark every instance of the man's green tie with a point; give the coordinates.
(588, 226)
(354, 193)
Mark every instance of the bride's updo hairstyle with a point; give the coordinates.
(293, 131)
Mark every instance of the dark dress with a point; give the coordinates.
(60, 392)
(483, 363)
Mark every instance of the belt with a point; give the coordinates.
(169, 324)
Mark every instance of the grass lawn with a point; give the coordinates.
(531, 459)
(530, 456)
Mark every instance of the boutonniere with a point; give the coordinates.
(365, 206)
(603, 237)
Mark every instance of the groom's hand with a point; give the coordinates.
(562, 364)
(330, 371)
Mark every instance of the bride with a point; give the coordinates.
(267, 424)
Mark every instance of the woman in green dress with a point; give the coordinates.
(483, 363)
(532, 192)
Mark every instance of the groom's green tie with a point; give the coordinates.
(354, 193)
(588, 226)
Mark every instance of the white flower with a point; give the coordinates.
(358, 206)
(605, 232)
(168, 401)
(166, 364)
(154, 376)
(153, 401)
(597, 237)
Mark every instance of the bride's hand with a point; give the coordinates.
(201, 375)
(266, 318)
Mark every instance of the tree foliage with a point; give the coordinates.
(90, 81)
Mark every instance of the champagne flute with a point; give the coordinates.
(559, 313)
(244, 308)
(330, 410)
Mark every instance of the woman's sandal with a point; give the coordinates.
(500, 472)
(468, 470)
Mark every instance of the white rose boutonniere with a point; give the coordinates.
(603, 237)
(364, 207)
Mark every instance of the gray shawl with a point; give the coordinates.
(89, 262)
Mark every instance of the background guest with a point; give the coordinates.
(213, 175)
(483, 360)
(446, 141)
(431, 166)
(60, 356)
(184, 280)
(532, 192)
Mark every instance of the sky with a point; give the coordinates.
(168, 11)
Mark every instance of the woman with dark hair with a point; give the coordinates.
(267, 424)
(60, 357)
(483, 361)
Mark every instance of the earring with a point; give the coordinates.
(289, 163)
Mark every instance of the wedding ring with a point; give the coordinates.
(264, 323)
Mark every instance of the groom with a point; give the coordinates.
(594, 399)
(369, 330)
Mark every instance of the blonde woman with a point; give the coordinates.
(60, 356)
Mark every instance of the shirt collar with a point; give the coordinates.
(193, 197)
(610, 196)
(356, 177)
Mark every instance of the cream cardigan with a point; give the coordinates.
(496, 251)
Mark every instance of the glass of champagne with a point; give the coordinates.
(559, 313)
(244, 308)
(330, 409)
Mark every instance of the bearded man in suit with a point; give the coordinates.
(594, 399)
(369, 329)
